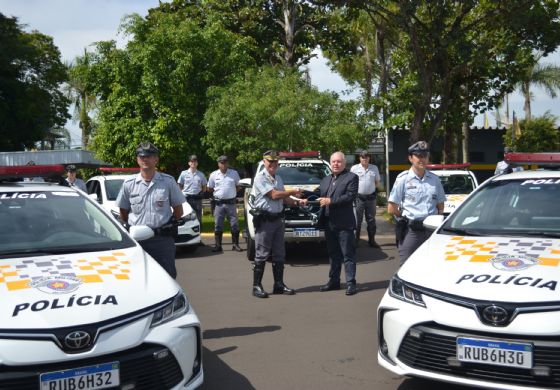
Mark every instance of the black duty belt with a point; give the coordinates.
(194, 197)
(366, 197)
(224, 201)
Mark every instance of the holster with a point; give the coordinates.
(400, 230)
(416, 225)
(170, 229)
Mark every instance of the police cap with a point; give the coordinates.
(420, 147)
(222, 159)
(193, 157)
(270, 155)
(70, 168)
(145, 149)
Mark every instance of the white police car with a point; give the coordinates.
(105, 189)
(303, 170)
(458, 182)
(83, 306)
(479, 302)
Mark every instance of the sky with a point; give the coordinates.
(76, 24)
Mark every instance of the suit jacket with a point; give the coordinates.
(343, 194)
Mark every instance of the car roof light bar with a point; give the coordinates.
(533, 158)
(294, 155)
(448, 166)
(115, 169)
(23, 171)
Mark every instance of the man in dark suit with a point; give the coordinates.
(337, 194)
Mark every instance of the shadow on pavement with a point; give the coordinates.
(361, 287)
(424, 384)
(218, 375)
(238, 331)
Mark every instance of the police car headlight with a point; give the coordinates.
(177, 307)
(401, 290)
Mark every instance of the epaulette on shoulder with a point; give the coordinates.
(403, 173)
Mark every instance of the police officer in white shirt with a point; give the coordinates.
(193, 184)
(153, 199)
(369, 180)
(72, 180)
(223, 183)
(416, 194)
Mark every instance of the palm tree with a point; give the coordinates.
(546, 76)
(77, 90)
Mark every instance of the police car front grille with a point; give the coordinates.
(137, 366)
(437, 343)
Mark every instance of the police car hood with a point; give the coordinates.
(65, 290)
(504, 269)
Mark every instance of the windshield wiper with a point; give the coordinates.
(41, 252)
(463, 232)
(542, 234)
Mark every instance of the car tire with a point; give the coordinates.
(250, 248)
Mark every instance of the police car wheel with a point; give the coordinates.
(250, 248)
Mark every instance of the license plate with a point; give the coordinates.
(499, 353)
(100, 376)
(306, 232)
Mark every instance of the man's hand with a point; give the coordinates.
(324, 201)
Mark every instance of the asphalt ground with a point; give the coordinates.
(311, 340)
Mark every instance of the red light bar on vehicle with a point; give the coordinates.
(114, 170)
(311, 154)
(533, 158)
(23, 171)
(448, 166)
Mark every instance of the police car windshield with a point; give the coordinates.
(457, 184)
(296, 172)
(55, 222)
(113, 187)
(511, 207)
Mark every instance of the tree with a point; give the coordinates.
(155, 88)
(539, 134)
(275, 108)
(78, 90)
(31, 74)
(546, 76)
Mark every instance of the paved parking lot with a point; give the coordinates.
(312, 340)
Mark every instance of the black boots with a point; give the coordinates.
(371, 238)
(279, 286)
(235, 241)
(218, 242)
(258, 272)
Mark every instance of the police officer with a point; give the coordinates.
(193, 184)
(369, 181)
(148, 199)
(269, 198)
(223, 184)
(416, 194)
(72, 180)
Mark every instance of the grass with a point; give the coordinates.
(208, 221)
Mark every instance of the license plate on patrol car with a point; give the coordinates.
(306, 232)
(499, 353)
(100, 376)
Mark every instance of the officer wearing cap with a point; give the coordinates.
(223, 183)
(369, 180)
(153, 199)
(268, 198)
(72, 180)
(193, 184)
(416, 194)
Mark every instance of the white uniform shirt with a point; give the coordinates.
(192, 182)
(263, 184)
(224, 185)
(367, 178)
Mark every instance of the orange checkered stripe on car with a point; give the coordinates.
(473, 250)
(455, 198)
(97, 270)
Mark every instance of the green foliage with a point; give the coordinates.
(275, 108)
(539, 134)
(155, 89)
(31, 74)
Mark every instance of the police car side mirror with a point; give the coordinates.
(94, 197)
(245, 183)
(141, 232)
(432, 222)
